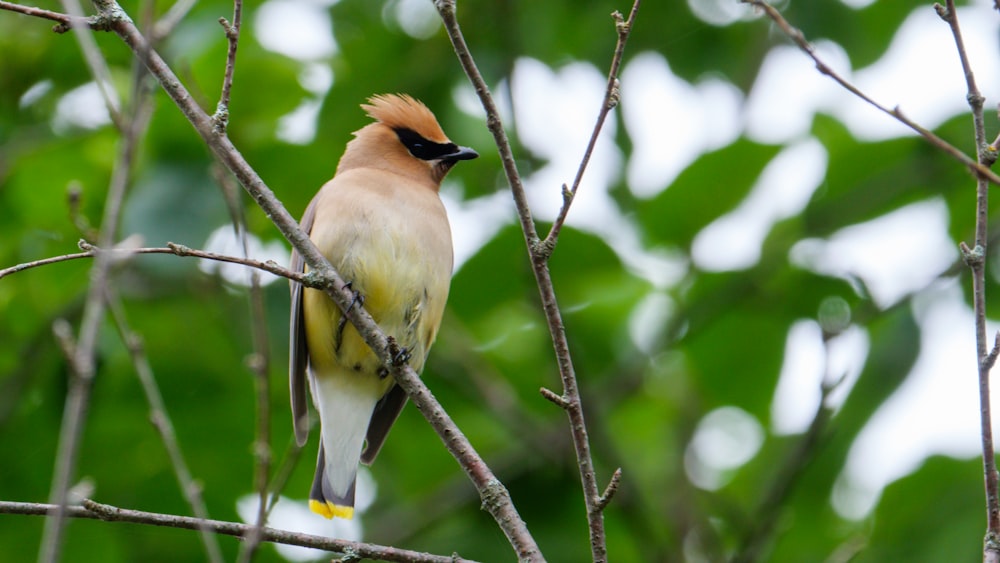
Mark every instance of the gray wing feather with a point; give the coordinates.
(386, 412)
(298, 353)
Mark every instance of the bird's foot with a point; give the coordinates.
(398, 354)
(357, 300)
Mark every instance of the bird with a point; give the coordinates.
(381, 224)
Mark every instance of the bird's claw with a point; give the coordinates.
(398, 355)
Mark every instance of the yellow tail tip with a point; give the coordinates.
(329, 510)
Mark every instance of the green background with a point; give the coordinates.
(722, 345)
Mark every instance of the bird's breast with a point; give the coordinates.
(393, 246)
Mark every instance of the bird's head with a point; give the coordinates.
(405, 138)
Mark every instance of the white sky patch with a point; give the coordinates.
(417, 18)
(857, 4)
(935, 411)
(556, 112)
(298, 127)
(724, 440)
(895, 254)
(295, 28)
(465, 98)
(721, 12)
(806, 366)
(316, 78)
(82, 107)
(921, 73)
(789, 90)
(733, 241)
(36, 92)
(474, 222)
(648, 320)
(223, 241)
(672, 122)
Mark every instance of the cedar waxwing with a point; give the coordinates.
(381, 224)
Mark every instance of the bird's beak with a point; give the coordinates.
(463, 153)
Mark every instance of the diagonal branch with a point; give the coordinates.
(538, 252)
(977, 168)
(612, 96)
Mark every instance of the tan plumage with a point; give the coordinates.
(381, 224)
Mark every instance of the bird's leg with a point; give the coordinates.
(358, 300)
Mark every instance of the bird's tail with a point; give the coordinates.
(345, 402)
(322, 499)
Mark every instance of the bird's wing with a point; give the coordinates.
(386, 412)
(298, 353)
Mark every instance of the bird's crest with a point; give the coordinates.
(400, 111)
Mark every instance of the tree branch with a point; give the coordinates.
(975, 167)
(117, 254)
(81, 365)
(64, 22)
(221, 117)
(538, 255)
(97, 511)
(612, 96)
(976, 261)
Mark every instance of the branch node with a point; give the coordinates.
(942, 11)
(974, 257)
(559, 400)
(621, 25)
(315, 280)
(615, 96)
(220, 119)
(179, 249)
(610, 490)
(542, 250)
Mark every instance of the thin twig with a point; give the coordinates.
(82, 368)
(117, 254)
(543, 278)
(221, 116)
(977, 264)
(552, 397)
(612, 96)
(93, 510)
(259, 363)
(65, 22)
(610, 490)
(161, 422)
(974, 166)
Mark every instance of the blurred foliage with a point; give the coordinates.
(721, 343)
